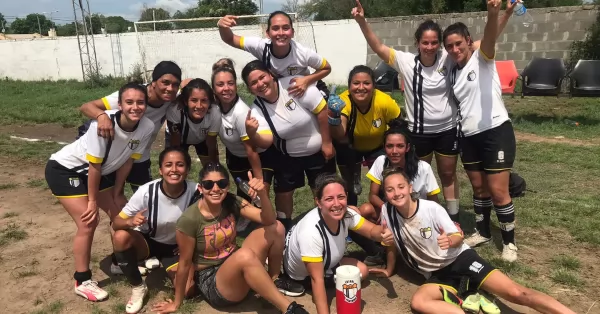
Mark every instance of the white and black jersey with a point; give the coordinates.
(292, 120)
(162, 211)
(155, 114)
(233, 129)
(311, 241)
(193, 132)
(416, 237)
(478, 91)
(426, 92)
(424, 182)
(93, 148)
(296, 62)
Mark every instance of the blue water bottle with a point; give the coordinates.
(521, 14)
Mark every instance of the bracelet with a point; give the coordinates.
(98, 116)
(334, 121)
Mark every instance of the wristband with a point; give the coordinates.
(98, 116)
(334, 121)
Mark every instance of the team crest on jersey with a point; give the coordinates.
(377, 123)
(500, 156)
(203, 131)
(443, 71)
(74, 182)
(229, 131)
(133, 144)
(350, 288)
(290, 105)
(425, 232)
(471, 76)
(292, 70)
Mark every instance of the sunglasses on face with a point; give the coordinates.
(209, 184)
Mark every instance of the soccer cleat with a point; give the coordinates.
(289, 287)
(349, 239)
(295, 308)
(451, 298)
(116, 270)
(488, 307)
(151, 263)
(89, 289)
(509, 252)
(476, 239)
(136, 302)
(471, 303)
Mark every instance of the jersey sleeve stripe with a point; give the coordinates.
(244, 138)
(123, 215)
(265, 132)
(93, 159)
(323, 64)
(392, 58)
(213, 133)
(370, 176)
(434, 192)
(359, 224)
(242, 42)
(320, 107)
(106, 104)
(485, 56)
(309, 259)
(136, 156)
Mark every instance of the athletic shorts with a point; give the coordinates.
(466, 274)
(444, 143)
(165, 253)
(201, 148)
(290, 171)
(346, 156)
(322, 87)
(67, 183)
(206, 282)
(492, 151)
(140, 173)
(239, 166)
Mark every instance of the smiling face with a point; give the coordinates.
(397, 190)
(262, 84)
(198, 104)
(333, 202)
(224, 87)
(429, 44)
(280, 32)
(174, 169)
(133, 104)
(166, 87)
(395, 148)
(457, 47)
(361, 87)
(214, 186)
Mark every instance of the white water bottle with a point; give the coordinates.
(521, 14)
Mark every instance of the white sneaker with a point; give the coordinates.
(509, 252)
(89, 289)
(116, 270)
(152, 263)
(476, 239)
(136, 302)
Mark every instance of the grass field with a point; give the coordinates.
(558, 220)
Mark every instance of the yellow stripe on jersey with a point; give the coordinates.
(485, 56)
(308, 259)
(106, 104)
(323, 64)
(136, 156)
(434, 192)
(392, 58)
(93, 159)
(245, 138)
(370, 176)
(320, 107)
(359, 224)
(213, 133)
(123, 215)
(242, 42)
(265, 132)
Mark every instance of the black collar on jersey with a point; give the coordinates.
(389, 205)
(118, 121)
(235, 100)
(322, 220)
(178, 196)
(269, 46)
(427, 66)
(189, 117)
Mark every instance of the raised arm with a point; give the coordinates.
(490, 33)
(379, 48)
(502, 22)
(225, 24)
(265, 215)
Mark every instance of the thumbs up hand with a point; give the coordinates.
(139, 219)
(387, 237)
(444, 241)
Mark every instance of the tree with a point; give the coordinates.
(30, 25)
(68, 29)
(155, 14)
(3, 23)
(116, 24)
(224, 7)
(588, 48)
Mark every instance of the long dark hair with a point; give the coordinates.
(230, 203)
(178, 149)
(217, 70)
(411, 161)
(428, 25)
(196, 83)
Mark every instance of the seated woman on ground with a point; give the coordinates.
(223, 273)
(146, 225)
(315, 246)
(430, 243)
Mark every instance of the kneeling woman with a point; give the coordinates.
(146, 225)
(90, 173)
(206, 239)
(195, 121)
(316, 245)
(430, 243)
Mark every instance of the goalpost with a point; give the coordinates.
(195, 44)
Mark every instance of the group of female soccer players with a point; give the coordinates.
(296, 128)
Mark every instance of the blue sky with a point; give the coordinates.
(129, 9)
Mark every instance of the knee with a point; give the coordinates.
(121, 240)
(417, 304)
(87, 229)
(518, 294)
(276, 230)
(367, 210)
(447, 175)
(245, 256)
(364, 270)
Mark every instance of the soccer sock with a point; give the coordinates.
(81, 277)
(113, 258)
(453, 207)
(506, 218)
(483, 211)
(128, 263)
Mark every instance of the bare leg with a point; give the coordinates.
(428, 299)
(82, 242)
(364, 270)
(268, 242)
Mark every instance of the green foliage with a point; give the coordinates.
(155, 14)
(116, 24)
(3, 23)
(30, 25)
(588, 48)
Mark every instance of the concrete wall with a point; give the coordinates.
(340, 42)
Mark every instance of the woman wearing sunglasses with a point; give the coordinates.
(206, 235)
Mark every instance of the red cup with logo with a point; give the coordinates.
(347, 285)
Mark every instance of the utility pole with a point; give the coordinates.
(154, 18)
(39, 26)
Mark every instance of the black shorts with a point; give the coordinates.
(491, 151)
(290, 171)
(466, 274)
(345, 156)
(444, 143)
(67, 183)
(206, 282)
(140, 173)
(165, 253)
(201, 148)
(322, 87)
(239, 166)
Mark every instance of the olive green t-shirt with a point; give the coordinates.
(215, 238)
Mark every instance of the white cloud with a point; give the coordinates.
(169, 5)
